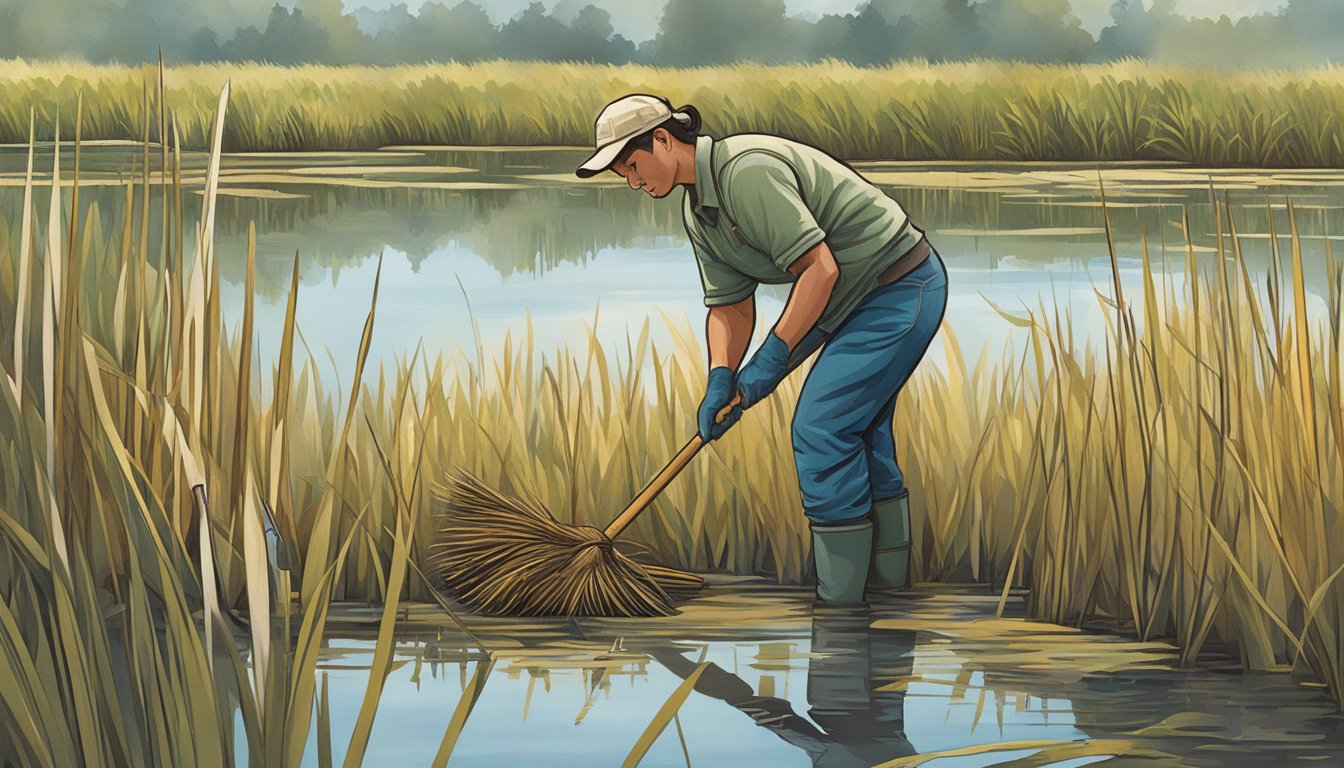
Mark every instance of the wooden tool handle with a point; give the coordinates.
(810, 343)
(665, 476)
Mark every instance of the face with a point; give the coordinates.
(651, 170)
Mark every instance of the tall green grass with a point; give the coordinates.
(911, 110)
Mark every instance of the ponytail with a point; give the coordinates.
(688, 118)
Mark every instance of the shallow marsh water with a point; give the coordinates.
(925, 673)
(479, 241)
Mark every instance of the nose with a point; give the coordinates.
(633, 180)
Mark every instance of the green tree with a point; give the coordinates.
(1034, 30)
(703, 32)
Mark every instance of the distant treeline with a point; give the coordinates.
(690, 32)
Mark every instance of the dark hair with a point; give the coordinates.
(684, 131)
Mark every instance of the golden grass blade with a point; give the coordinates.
(175, 265)
(307, 648)
(144, 194)
(382, 654)
(283, 384)
(1314, 604)
(470, 695)
(1248, 289)
(25, 268)
(54, 212)
(214, 618)
(1020, 322)
(1110, 248)
(1306, 401)
(665, 714)
(243, 401)
(165, 258)
(196, 311)
(1152, 317)
(321, 532)
(51, 293)
(74, 189)
(258, 593)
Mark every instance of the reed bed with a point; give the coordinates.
(133, 496)
(1184, 479)
(986, 110)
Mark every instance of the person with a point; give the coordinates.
(867, 288)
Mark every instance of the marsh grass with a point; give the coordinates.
(131, 504)
(984, 110)
(1183, 479)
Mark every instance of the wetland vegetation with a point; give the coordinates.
(1181, 480)
(979, 110)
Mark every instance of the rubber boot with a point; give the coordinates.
(842, 554)
(891, 544)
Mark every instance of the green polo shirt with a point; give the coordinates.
(761, 201)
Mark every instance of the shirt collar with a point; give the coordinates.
(706, 196)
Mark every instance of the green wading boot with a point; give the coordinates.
(842, 554)
(891, 544)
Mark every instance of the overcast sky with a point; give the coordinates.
(638, 19)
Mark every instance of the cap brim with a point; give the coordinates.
(602, 159)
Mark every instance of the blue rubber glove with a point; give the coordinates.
(718, 393)
(759, 377)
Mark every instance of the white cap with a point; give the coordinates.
(621, 121)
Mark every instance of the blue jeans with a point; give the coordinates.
(842, 440)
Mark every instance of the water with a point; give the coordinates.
(477, 241)
(791, 685)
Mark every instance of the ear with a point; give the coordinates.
(661, 136)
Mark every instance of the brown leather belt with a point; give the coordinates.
(906, 263)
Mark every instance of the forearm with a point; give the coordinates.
(817, 275)
(728, 332)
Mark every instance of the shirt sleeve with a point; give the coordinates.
(723, 285)
(768, 208)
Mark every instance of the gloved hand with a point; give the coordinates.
(718, 393)
(764, 371)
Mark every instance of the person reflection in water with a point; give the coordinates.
(852, 719)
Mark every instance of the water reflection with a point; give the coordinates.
(854, 718)
(925, 672)
(516, 235)
(521, 211)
